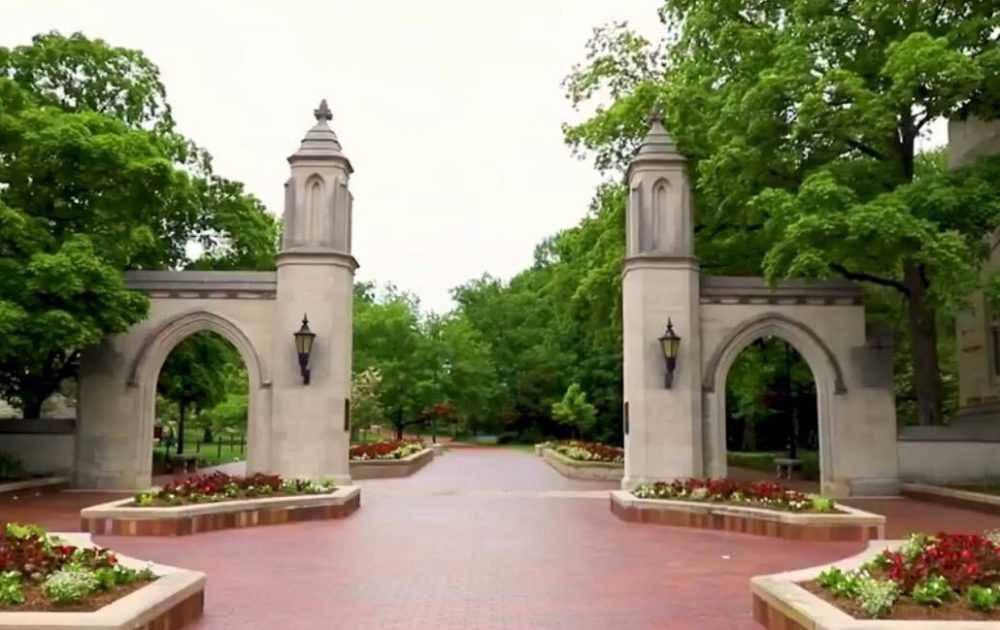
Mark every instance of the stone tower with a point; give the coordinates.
(660, 284)
(310, 422)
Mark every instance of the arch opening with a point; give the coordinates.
(176, 348)
(764, 354)
(202, 403)
(771, 412)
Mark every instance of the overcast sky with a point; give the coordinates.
(450, 110)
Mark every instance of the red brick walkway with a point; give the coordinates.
(474, 541)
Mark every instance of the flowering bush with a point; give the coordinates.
(963, 569)
(757, 494)
(590, 451)
(30, 559)
(219, 486)
(389, 449)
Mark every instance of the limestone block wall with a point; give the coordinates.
(42, 446)
(948, 461)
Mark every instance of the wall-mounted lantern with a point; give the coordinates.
(303, 344)
(670, 343)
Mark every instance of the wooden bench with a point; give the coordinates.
(784, 466)
(186, 462)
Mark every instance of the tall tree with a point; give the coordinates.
(94, 180)
(388, 335)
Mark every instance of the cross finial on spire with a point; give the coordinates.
(323, 111)
(655, 114)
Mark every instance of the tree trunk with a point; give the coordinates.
(923, 348)
(180, 426)
(207, 434)
(32, 408)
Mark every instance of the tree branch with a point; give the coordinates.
(865, 277)
(864, 148)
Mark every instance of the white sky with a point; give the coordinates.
(450, 110)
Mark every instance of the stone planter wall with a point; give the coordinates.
(114, 518)
(780, 604)
(389, 468)
(174, 600)
(852, 524)
(574, 469)
(978, 501)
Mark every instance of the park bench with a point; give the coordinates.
(185, 462)
(785, 465)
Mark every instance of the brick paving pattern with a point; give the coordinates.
(482, 538)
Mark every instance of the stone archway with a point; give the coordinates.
(826, 372)
(145, 369)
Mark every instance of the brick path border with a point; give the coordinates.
(115, 519)
(854, 525)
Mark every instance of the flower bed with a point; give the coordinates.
(780, 516)
(946, 576)
(761, 494)
(922, 583)
(590, 451)
(65, 581)
(389, 449)
(219, 486)
(395, 458)
(39, 572)
(588, 469)
(219, 501)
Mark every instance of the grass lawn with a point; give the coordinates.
(764, 461)
(527, 448)
(209, 453)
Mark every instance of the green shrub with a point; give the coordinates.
(984, 598)
(70, 585)
(839, 583)
(10, 467)
(933, 591)
(877, 596)
(21, 530)
(822, 504)
(531, 435)
(10, 588)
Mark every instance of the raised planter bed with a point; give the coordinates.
(978, 501)
(847, 524)
(576, 469)
(39, 484)
(388, 468)
(173, 600)
(784, 601)
(124, 519)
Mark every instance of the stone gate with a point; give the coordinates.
(680, 430)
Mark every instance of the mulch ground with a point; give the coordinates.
(907, 609)
(160, 503)
(36, 601)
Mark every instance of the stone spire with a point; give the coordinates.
(658, 144)
(320, 142)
